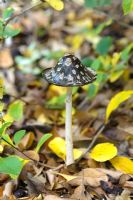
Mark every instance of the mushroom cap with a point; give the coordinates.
(69, 71)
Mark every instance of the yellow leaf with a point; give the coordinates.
(115, 58)
(1, 148)
(116, 101)
(57, 89)
(123, 164)
(57, 145)
(106, 60)
(75, 41)
(103, 152)
(8, 118)
(115, 75)
(56, 4)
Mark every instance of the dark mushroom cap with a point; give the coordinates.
(69, 71)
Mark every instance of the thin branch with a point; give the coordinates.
(98, 132)
(37, 162)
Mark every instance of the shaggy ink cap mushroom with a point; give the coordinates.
(69, 72)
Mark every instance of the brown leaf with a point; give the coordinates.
(36, 184)
(53, 197)
(27, 141)
(128, 184)
(80, 194)
(6, 59)
(125, 195)
(89, 176)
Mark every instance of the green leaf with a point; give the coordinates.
(104, 45)
(127, 6)
(87, 61)
(10, 31)
(56, 102)
(96, 64)
(12, 165)
(18, 136)
(4, 127)
(92, 90)
(15, 110)
(1, 29)
(125, 53)
(43, 139)
(7, 139)
(7, 13)
(97, 3)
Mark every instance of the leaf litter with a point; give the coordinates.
(34, 106)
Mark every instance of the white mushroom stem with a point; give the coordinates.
(69, 137)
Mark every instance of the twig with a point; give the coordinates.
(98, 132)
(37, 162)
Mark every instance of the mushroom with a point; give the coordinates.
(69, 72)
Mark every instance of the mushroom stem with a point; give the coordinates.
(69, 138)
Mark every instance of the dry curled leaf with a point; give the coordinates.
(88, 176)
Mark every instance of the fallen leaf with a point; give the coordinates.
(88, 176)
(125, 195)
(26, 141)
(51, 197)
(6, 59)
(123, 164)
(56, 4)
(57, 145)
(116, 101)
(103, 152)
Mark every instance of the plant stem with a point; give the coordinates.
(69, 138)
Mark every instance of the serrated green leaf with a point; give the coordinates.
(43, 139)
(7, 13)
(12, 165)
(18, 136)
(127, 6)
(15, 110)
(104, 45)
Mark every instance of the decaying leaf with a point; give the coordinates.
(88, 176)
(51, 197)
(103, 152)
(26, 141)
(6, 59)
(125, 195)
